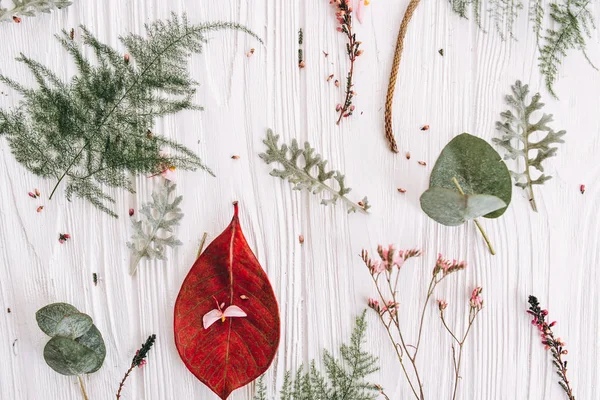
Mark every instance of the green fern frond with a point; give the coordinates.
(30, 8)
(94, 130)
(574, 22)
(343, 378)
(516, 133)
(303, 177)
(536, 17)
(504, 13)
(261, 389)
(154, 231)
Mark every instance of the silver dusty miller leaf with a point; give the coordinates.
(517, 130)
(30, 8)
(311, 175)
(154, 231)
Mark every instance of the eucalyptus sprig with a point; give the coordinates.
(469, 180)
(517, 131)
(312, 175)
(76, 347)
(30, 8)
(94, 130)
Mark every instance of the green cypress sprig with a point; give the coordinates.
(94, 131)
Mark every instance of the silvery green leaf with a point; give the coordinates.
(30, 8)
(516, 133)
(307, 170)
(49, 317)
(451, 208)
(93, 340)
(477, 167)
(154, 231)
(73, 326)
(68, 357)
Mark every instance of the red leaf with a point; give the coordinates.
(233, 353)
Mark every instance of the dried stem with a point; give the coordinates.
(344, 16)
(460, 342)
(82, 387)
(485, 236)
(389, 100)
(202, 242)
(122, 384)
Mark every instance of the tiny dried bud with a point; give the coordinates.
(402, 190)
(423, 163)
(126, 58)
(442, 305)
(67, 236)
(61, 241)
(582, 189)
(72, 34)
(325, 54)
(408, 155)
(31, 194)
(301, 239)
(338, 107)
(353, 93)
(235, 157)
(360, 203)
(358, 53)
(40, 208)
(131, 212)
(37, 192)
(302, 64)
(565, 351)
(425, 128)
(243, 297)
(248, 54)
(16, 19)
(8, 310)
(330, 77)
(337, 83)
(352, 107)
(149, 134)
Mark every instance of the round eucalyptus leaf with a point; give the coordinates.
(478, 168)
(73, 325)
(68, 357)
(50, 316)
(93, 340)
(451, 208)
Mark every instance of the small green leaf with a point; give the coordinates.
(73, 326)
(50, 316)
(68, 357)
(478, 168)
(93, 340)
(451, 208)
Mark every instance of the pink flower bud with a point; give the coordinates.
(32, 195)
(338, 107)
(131, 212)
(67, 236)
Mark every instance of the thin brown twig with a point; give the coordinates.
(389, 100)
(122, 384)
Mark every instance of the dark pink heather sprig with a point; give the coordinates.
(344, 18)
(555, 345)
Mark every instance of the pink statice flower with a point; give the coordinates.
(446, 266)
(476, 301)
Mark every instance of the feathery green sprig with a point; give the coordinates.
(517, 130)
(30, 8)
(94, 130)
(573, 21)
(301, 175)
(343, 378)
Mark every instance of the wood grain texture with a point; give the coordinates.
(321, 285)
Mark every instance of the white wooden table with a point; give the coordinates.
(321, 285)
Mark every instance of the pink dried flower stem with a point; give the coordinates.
(385, 272)
(344, 18)
(555, 345)
(475, 306)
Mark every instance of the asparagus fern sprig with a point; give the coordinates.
(93, 131)
(342, 378)
(30, 8)
(154, 231)
(574, 22)
(311, 175)
(517, 130)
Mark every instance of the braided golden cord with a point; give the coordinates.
(389, 100)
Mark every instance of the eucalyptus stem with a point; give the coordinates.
(485, 236)
(82, 387)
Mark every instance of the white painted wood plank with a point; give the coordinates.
(321, 285)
